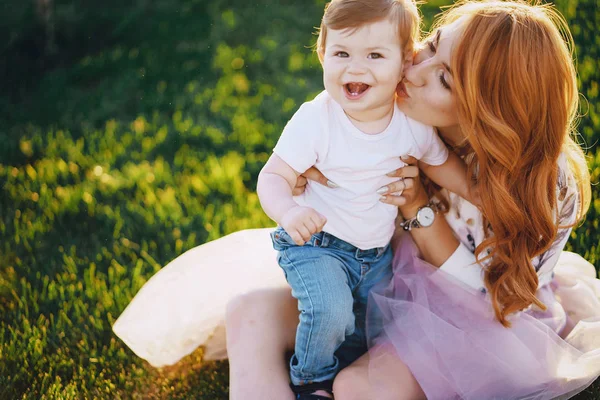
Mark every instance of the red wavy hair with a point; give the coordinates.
(517, 100)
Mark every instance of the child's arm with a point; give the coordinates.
(275, 184)
(452, 175)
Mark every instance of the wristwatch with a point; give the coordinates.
(425, 216)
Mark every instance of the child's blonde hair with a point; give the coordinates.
(352, 14)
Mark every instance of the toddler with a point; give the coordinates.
(333, 243)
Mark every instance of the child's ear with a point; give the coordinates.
(320, 55)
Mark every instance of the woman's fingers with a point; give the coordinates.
(410, 171)
(409, 160)
(301, 181)
(393, 200)
(397, 187)
(300, 186)
(315, 175)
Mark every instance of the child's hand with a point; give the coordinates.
(301, 223)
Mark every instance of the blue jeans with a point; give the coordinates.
(331, 280)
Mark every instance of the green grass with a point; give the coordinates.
(139, 137)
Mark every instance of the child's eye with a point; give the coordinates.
(341, 54)
(375, 56)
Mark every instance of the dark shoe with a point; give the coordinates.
(305, 392)
(311, 396)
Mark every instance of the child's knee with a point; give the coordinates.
(337, 312)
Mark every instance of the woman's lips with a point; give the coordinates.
(401, 90)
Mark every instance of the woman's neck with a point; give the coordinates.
(452, 135)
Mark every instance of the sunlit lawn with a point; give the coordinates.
(124, 156)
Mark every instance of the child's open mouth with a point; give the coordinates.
(355, 90)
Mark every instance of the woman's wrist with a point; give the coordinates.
(410, 210)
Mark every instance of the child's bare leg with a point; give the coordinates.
(357, 382)
(261, 328)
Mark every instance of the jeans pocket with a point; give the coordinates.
(281, 240)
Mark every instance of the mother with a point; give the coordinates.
(475, 311)
(498, 81)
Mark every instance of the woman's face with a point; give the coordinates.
(426, 92)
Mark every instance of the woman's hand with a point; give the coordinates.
(412, 193)
(314, 175)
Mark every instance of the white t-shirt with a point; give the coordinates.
(321, 134)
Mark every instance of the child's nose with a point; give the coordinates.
(356, 67)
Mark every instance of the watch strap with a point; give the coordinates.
(413, 222)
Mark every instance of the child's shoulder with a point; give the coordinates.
(413, 125)
(320, 102)
(317, 107)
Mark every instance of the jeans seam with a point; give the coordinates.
(310, 331)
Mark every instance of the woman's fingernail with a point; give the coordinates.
(383, 198)
(332, 185)
(392, 173)
(382, 190)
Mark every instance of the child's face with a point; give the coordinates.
(362, 68)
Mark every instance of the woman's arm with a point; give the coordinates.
(451, 175)
(436, 242)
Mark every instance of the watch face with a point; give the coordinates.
(425, 216)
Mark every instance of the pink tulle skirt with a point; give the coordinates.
(446, 333)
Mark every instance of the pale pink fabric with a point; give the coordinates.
(446, 333)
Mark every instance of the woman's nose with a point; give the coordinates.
(415, 74)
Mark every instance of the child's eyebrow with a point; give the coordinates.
(377, 48)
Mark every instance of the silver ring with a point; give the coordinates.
(399, 192)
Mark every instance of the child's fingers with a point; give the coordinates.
(297, 237)
(310, 225)
(319, 221)
(304, 233)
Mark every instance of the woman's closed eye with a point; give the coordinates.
(443, 80)
(431, 45)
